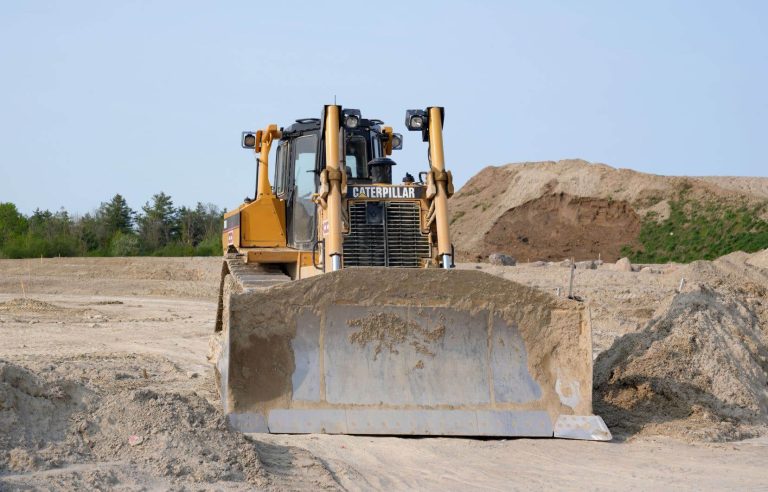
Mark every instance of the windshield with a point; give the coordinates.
(360, 149)
(356, 158)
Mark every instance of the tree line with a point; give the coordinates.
(113, 229)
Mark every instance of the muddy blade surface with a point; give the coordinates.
(421, 352)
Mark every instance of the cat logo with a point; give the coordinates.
(385, 192)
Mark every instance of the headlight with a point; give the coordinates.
(248, 140)
(351, 118)
(416, 119)
(397, 141)
(351, 121)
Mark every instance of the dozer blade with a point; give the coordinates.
(392, 351)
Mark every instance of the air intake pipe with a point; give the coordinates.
(380, 170)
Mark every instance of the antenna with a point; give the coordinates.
(334, 99)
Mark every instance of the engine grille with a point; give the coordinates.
(396, 241)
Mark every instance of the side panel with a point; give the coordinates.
(231, 234)
(263, 223)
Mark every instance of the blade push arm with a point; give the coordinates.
(334, 177)
(439, 181)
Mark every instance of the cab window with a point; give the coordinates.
(281, 160)
(375, 145)
(356, 158)
(303, 219)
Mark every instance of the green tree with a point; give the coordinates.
(48, 234)
(47, 225)
(158, 225)
(12, 222)
(91, 234)
(110, 230)
(199, 223)
(117, 215)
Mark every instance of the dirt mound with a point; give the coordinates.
(101, 435)
(49, 424)
(747, 185)
(176, 436)
(560, 226)
(22, 305)
(35, 310)
(699, 370)
(109, 372)
(499, 206)
(33, 413)
(759, 259)
(739, 273)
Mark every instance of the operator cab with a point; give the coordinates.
(362, 145)
(299, 160)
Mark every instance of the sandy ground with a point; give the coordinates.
(120, 326)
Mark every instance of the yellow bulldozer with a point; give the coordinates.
(340, 310)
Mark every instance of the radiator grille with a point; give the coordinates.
(395, 242)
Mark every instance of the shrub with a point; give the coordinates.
(123, 244)
(698, 230)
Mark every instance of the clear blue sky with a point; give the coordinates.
(137, 97)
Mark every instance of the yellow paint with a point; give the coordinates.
(271, 132)
(333, 238)
(387, 131)
(305, 259)
(261, 235)
(262, 223)
(438, 170)
(272, 255)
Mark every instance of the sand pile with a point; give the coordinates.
(698, 371)
(759, 259)
(176, 436)
(572, 208)
(25, 304)
(33, 413)
(180, 438)
(559, 225)
(35, 310)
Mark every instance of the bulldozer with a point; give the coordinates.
(341, 309)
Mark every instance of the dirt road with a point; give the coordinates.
(126, 341)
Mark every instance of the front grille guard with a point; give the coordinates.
(397, 241)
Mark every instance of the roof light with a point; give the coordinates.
(351, 121)
(416, 119)
(351, 118)
(248, 140)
